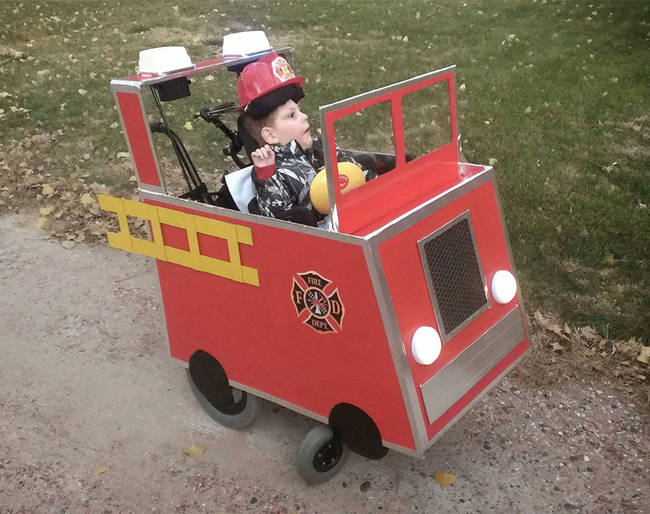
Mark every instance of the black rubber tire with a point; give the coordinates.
(320, 455)
(240, 412)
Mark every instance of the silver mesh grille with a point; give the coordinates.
(455, 275)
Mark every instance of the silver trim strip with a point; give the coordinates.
(453, 381)
(427, 273)
(477, 398)
(328, 163)
(151, 189)
(396, 347)
(402, 449)
(383, 90)
(249, 218)
(313, 415)
(509, 247)
(124, 86)
(279, 401)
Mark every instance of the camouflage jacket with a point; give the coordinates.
(295, 169)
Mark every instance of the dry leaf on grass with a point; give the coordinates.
(628, 348)
(87, 199)
(557, 347)
(608, 260)
(549, 324)
(99, 470)
(644, 355)
(589, 333)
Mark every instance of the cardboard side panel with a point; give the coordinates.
(308, 331)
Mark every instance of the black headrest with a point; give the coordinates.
(249, 142)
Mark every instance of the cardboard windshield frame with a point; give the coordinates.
(390, 194)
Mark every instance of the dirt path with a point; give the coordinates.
(86, 385)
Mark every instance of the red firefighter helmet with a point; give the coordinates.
(265, 76)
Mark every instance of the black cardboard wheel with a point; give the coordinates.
(228, 406)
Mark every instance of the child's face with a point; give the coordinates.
(289, 123)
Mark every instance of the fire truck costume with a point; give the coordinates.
(394, 325)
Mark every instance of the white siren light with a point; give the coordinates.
(245, 43)
(165, 59)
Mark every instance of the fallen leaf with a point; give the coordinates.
(629, 348)
(608, 259)
(99, 470)
(47, 190)
(444, 478)
(589, 333)
(194, 451)
(539, 317)
(82, 92)
(68, 245)
(188, 125)
(87, 199)
(548, 324)
(46, 210)
(644, 354)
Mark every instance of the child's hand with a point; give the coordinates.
(263, 157)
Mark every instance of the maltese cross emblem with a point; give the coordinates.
(317, 302)
(281, 69)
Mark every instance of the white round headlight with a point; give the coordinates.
(425, 345)
(504, 286)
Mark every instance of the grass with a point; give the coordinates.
(557, 92)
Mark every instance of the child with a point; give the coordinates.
(286, 159)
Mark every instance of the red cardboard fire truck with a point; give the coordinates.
(385, 331)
